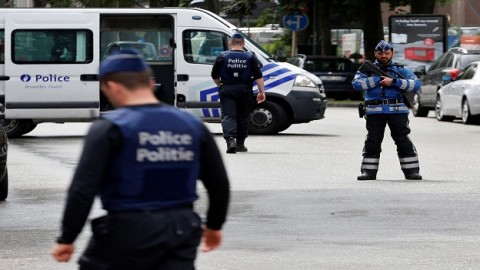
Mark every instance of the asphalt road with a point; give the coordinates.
(296, 203)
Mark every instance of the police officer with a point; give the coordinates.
(143, 160)
(234, 72)
(384, 104)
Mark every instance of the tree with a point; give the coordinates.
(213, 6)
(240, 9)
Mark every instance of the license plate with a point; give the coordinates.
(332, 78)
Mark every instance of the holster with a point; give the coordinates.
(101, 226)
(361, 110)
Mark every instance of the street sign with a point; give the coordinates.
(295, 22)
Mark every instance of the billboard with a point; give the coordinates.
(418, 39)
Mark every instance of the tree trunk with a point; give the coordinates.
(323, 8)
(423, 6)
(372, 26)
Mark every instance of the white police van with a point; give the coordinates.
(49, 60)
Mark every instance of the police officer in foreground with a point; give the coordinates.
(234, 72)
(143, 160)
(384, 104)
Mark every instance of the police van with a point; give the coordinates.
(49, 62)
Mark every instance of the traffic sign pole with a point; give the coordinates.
(294, 44)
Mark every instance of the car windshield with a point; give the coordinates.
(467, 59)
(328, 65)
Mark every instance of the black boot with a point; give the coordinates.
(368, 175)
(241, 146)
(413, 176)
(231, 145)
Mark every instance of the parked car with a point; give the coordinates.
(146, 48)
(461, 97)
(335, 72)
(453, 60)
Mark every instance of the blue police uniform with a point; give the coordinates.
(237, 70)
(144, 161)
(161, 148)
(385, 105)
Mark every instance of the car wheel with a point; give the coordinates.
(267, 118)
(467, 117)
(4, 187)
(417, 108)
(439, 111)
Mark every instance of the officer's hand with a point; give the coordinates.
(211, 239)
(261, 97)
(63, 252)
(386, 81)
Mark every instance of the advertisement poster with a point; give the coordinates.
(418, 39)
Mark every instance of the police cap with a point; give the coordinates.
(122, 61)
(383, 46)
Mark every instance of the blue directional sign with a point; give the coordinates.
(295, 22)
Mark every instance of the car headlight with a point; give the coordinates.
(304, 81)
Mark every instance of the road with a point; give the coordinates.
(296, 203)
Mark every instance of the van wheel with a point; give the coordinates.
(417, 108)
(16, 128)
(4, 187)
(268, 118)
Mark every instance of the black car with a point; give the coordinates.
(335, 72)
(440, 73)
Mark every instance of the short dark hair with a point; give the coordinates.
(131, 80)
(237, 39)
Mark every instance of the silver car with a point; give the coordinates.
(461, 97)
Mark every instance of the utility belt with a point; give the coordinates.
(361, 105)
(383, 101)
(166, 209)
(236, 83)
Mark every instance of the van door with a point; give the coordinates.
(51, 60)
(196, 54)
(149, 34)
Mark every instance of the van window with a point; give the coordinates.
(72, 46)
(202, 47)
(152, 35)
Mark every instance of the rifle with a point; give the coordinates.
(368, 67)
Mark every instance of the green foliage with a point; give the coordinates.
(268, 16)
(280, 47)
(289, 6)
(241, 8)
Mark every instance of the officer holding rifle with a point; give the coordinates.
(385, 84)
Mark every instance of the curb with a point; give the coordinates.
(334, 103)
